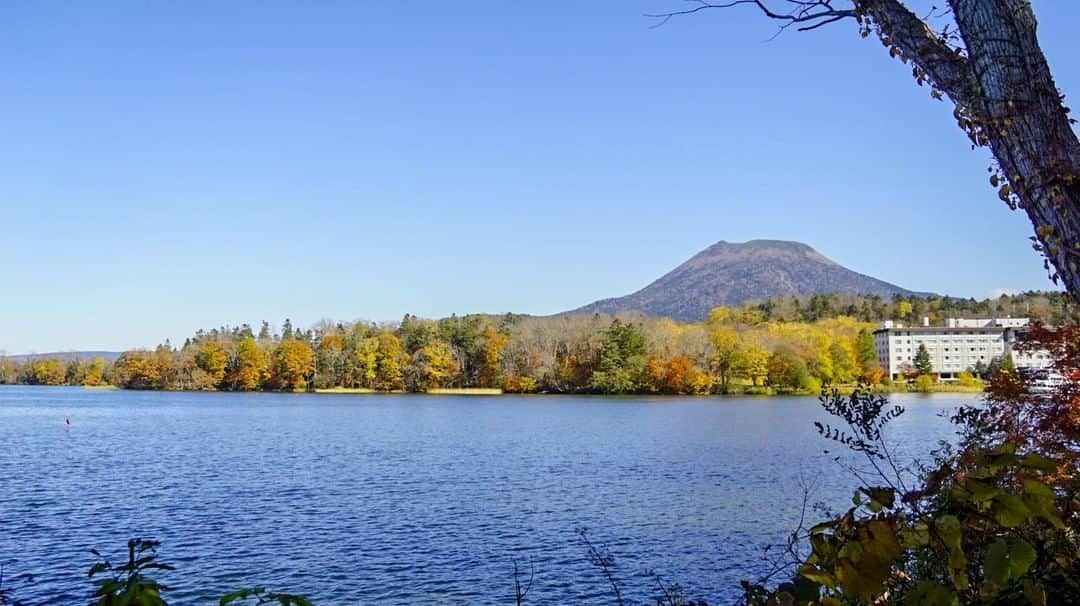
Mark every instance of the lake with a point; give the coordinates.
(399, 499)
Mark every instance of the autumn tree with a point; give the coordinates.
(677, 375)
(844, 366)
(433, 366)
(725, 341)
(491, 350)
(787, 371)
(95, 373)
(865, 350)
(47, 371)
(391, 357)
(293, 364)
(248, 367)
(213, 360)
(330, 359)
(753, 363)
(904, 309)
(365, 362)
(988, 62)
(139, 369)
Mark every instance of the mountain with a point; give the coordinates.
(732, 273)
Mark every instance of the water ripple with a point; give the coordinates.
(404, 499)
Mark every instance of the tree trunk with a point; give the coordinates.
(1026, 124)
(1006, 99)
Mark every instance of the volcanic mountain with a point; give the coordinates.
(732, 273)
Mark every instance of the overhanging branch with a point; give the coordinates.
(812, 14)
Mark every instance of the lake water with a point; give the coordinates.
(411, 499)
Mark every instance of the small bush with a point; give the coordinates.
(967, 379)
(924, 384)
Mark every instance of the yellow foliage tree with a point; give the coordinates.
(725, 342)
(294, 363)
(753, 363)
(491, 357)
(213, 360)
(249, 369)
(95, 372)
(48, 372)
(367, 362)
(391, 361)
(436, 365)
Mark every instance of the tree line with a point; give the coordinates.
(780, 345)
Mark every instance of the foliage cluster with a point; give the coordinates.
(1049, 307)
(746, 349)
(566, 354)
(994, 520)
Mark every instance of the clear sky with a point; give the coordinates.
(166, 166)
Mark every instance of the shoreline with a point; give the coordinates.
(758, 392)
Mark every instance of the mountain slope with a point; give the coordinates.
(731, 273)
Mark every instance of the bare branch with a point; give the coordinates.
(814, 13)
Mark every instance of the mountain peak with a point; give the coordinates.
(732, 273)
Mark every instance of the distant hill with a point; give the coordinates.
(732, 273)
(65, 356)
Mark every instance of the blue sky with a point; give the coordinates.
(170, 166)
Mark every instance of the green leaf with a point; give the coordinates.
(1021, 557)
(1010, 511)
(996, 565)
(958, 569)
(981, 491)
(948, 528)
(1039, 462)
(1042, 501)
(1006, 562)
(916, 536)
(929, 593)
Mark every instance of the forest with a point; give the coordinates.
(777, 346)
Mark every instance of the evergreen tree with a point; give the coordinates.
(922, 361)
(264, 331)
(622, 359)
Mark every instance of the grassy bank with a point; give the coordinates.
(465, 391)
(347, 390)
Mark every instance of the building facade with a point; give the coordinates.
(960, 345)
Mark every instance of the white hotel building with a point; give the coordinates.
(958, 346)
